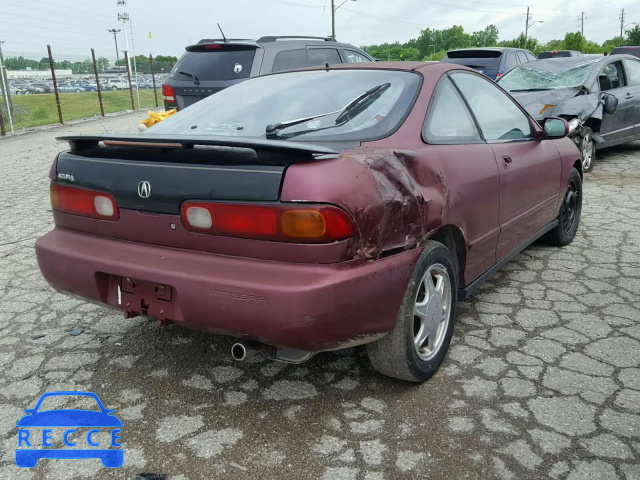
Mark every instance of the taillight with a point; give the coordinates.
(278, 222)
(87, 203)
(167, 93)
(499, 75)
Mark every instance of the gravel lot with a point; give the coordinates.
(542, 381)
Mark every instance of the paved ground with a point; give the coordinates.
(543, 379)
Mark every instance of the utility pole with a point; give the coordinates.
(124, 18)
(526, 28)
(333, 19)
(621, 26)
(4, 86)
(333, 16)
(582, 23)
(115, 38)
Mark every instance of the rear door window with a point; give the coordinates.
(322, 56)
(215, 64)
(530, 56)
(522, 57)
(352, 56)
(632, 67)
(448, 119)
(290, 59)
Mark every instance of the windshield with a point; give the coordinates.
(528, 78)
(245, 109)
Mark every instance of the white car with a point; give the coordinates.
(115, 84)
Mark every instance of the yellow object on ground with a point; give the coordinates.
(155, 117)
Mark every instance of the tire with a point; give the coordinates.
(78, 90)
(397, 355)
(570, 211)
(588, 150)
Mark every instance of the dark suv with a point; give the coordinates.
(559, 54)
(628, 50)
(493, 62)
(215, 64)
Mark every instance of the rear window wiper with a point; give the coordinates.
(193, 77)
(345, 114)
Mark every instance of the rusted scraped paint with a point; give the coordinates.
(399, 212)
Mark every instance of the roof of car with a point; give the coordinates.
(495, 49)
(275, 40)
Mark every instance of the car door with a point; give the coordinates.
(617, 127)
(529, 168)
(456, 149)
(632, 72)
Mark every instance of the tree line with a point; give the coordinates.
(433, 44)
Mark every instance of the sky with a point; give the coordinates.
(73, 27)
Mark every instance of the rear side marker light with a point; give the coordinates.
(83, 202)
(278, 222)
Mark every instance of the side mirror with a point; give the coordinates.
(610, 103)
(555, 127)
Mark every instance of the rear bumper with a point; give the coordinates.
(305, 306)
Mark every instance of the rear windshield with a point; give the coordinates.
(214, 65)
(553, 55)
(245, 109)
(487, 59)
(626, 50)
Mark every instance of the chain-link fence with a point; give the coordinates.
(45, 87)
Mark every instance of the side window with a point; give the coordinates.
(352, 56)
(512, 62)
(448, 120)
(611, 77)
(321, 56)
(632, 67)
(290, 59)
(522, 57)
(499, 118)
(530, 57)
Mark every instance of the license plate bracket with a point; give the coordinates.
(140, 297)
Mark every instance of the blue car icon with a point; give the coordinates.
(70, 418)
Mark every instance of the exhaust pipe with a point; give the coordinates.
(244, 350)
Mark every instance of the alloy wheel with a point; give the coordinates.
(432, 312)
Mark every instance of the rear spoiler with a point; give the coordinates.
(187, 142)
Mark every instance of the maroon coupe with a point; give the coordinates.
(315, 210)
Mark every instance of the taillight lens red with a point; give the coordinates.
(278, 222)
(80, 201)
(499, 75)
(167, 93)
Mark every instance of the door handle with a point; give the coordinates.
(506, 159)
(628, 96)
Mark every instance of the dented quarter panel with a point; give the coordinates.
(398, 197)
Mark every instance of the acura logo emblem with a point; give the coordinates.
(144, 189)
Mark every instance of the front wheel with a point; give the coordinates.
(588, 150)
(416, 347)
(570, 211)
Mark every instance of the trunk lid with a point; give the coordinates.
(149, 174)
